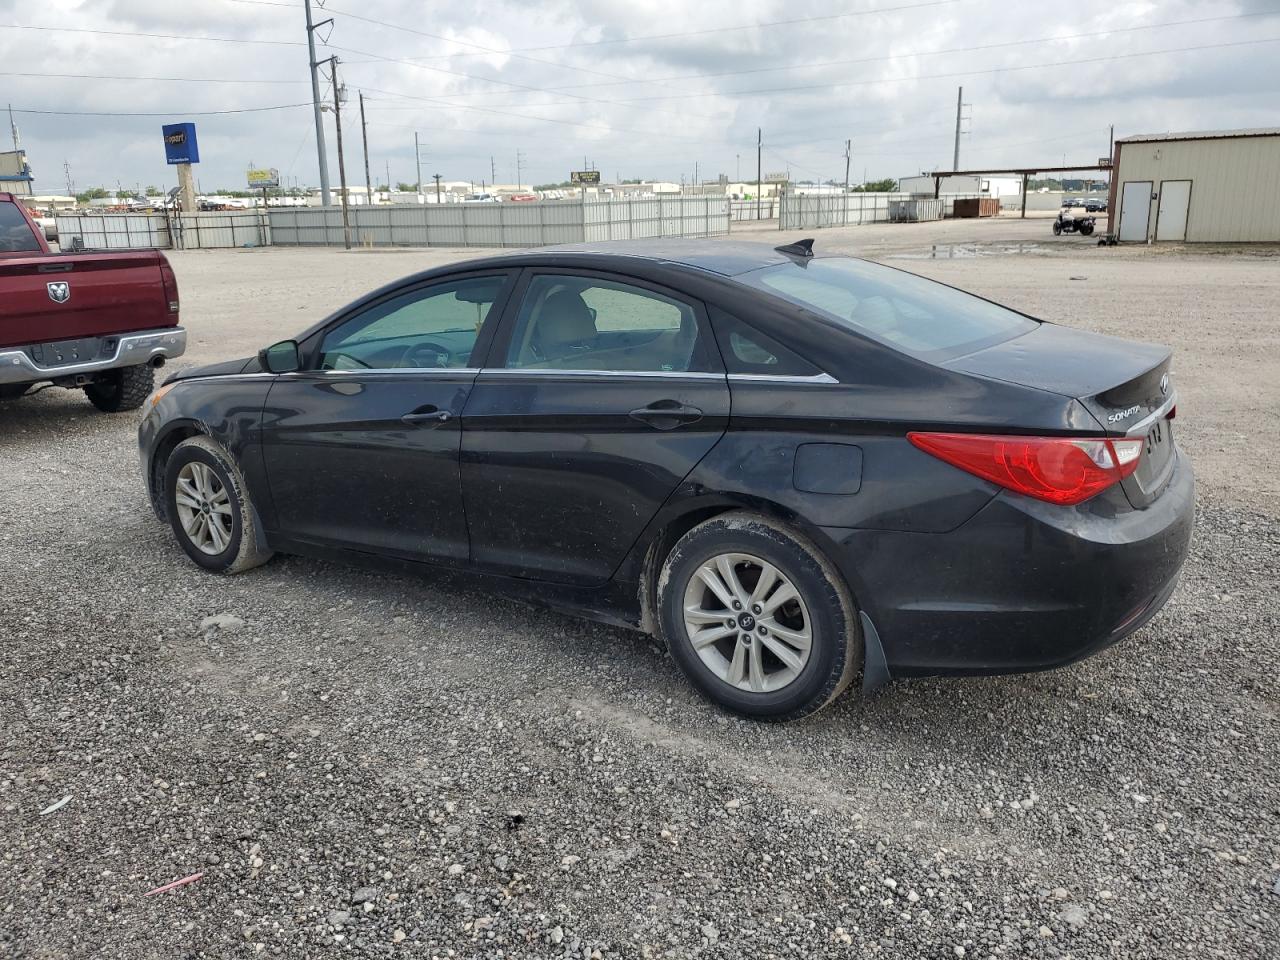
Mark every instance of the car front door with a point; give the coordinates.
(361, 447)
(601, 394)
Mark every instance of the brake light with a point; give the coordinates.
(1061, 470)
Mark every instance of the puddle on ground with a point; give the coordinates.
(967, 251)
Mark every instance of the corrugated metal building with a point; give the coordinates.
(1218, 186)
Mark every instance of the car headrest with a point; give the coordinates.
(565, 319)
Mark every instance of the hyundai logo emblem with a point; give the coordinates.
(1164, 385)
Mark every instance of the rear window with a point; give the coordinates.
(915, 315)
(15, 232)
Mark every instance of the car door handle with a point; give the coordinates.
(429, 416)
(666, 414)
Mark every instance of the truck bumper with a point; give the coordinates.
(131, 350)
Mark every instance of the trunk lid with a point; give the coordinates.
(106, 293)
(1124, 384)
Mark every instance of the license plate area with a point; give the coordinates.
(1157, 457)
(65, 353)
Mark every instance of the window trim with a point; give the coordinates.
(500, 346)
(311, 346)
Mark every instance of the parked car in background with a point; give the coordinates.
(1068, 202)
(97, 322)
(1095, 204)
(794, 469)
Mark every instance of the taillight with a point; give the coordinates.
(1062, 470)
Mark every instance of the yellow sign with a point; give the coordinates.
(261, 179)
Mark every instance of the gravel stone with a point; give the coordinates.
(411, 724)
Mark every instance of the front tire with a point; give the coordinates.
(123, 389)
(757, 619)
(209, 508)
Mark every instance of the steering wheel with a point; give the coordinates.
(424, 355)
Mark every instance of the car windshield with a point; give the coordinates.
(915, 315)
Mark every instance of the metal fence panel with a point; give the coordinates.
(838, 210)
(114, 231)
(504, 224)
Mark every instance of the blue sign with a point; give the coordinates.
(180, 143)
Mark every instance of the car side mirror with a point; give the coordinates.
(282, 357)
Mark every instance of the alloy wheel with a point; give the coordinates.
(204, 507)
(747, 622)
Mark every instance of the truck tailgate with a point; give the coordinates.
(105, 293)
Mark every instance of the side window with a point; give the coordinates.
(747, 350)
(435, 327)
(582, 323)
(15, 232)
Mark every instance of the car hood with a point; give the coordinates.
(226, 368)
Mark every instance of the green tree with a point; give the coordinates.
(93, 193)
(154, 192)
(405, 187)
(887, 185)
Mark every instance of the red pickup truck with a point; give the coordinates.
(98, 322)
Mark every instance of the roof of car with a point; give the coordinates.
(725, 257)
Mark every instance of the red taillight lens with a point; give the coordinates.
(1062, 470)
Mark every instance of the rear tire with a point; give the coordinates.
(767, 658)
(1086, 230)
(209, 508)
(123, 389)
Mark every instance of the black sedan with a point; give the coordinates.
(794, 469)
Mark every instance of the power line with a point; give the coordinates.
(183, 112)
(914, 53)
(477, 46)
(962, 73)
(99, 76)
(152, 36)
(709, 30)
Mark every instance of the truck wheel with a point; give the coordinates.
(209, 508)
(12, 391)
(757, 618)
(123, 389)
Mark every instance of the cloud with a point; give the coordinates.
(550, 79)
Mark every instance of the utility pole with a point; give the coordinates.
(1111, 142)
(737, 172)
(364, 136)
(844, 202)
(417, 158)
(389, 187)
(519, 167)
(436, 177)
(13, 128)
(321, 154)
(759, 166)
(955, 161)
(71, 185)
(493, 171)
(342, 166)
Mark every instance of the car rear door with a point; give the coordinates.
(361, 448)
(601, 394)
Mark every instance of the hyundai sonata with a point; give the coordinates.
(794, 469)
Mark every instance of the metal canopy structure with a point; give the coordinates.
(1025, 172)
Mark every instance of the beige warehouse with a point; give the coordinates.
(1217, 186)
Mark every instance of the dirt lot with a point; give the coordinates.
(366, 765)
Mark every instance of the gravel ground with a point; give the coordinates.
(367, 765)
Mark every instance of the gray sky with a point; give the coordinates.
(641, 89)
